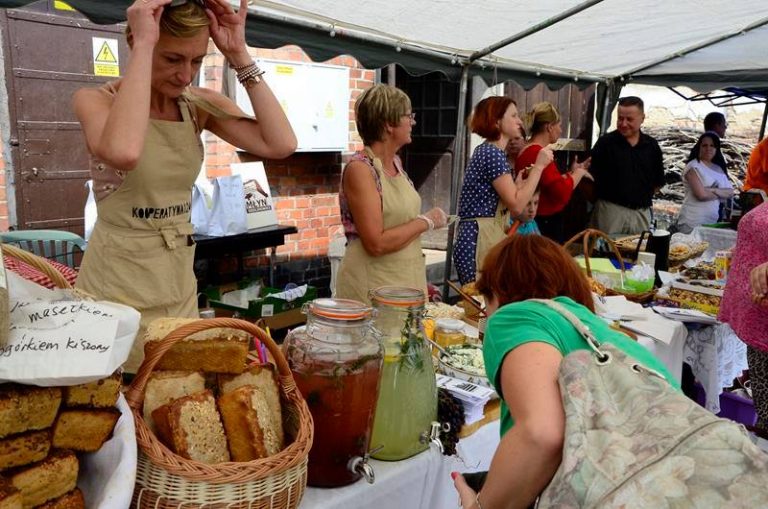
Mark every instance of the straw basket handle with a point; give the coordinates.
(589, 237)
(135, 393)
(39, 263)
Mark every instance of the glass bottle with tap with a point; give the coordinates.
(407, 404)
(336, 361)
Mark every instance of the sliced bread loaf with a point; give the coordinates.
(166, 386)
(253, 429)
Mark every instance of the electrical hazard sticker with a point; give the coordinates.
(105, 57)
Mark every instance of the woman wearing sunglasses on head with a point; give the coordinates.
(143, 134)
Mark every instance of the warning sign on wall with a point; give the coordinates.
(105, 57)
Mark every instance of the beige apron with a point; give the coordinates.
(141, 252)
(490, 231)
(360, 272)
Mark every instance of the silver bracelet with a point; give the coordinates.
(247, 72)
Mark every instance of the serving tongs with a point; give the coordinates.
(471, 300)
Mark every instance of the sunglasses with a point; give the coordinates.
(177, 3)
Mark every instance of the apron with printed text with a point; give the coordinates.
(360, 272)
(141, 252)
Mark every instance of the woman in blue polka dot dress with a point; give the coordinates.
(489, 193)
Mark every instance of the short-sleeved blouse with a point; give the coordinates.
(478, 197)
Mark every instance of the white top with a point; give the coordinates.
(693, 211)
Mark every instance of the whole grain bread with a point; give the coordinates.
(191, 427)
(220, 350)
(47, 479)
(84, 429)
(24, 448)
(253, 431)
(166, 386)
(99, 394)
(72, 500)
(10, 496)
(26, 408)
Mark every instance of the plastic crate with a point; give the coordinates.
(732, 406)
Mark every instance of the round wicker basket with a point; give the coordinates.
(165, 480)
(589, 238)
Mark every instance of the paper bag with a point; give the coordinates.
(90, 212)
(228, 216)
(57, 339)
(200, 215)
(258, 197)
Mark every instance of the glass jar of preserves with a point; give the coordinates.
(408, 396)
(336, 361)
(449, 331)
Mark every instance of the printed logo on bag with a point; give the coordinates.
(256, 198)
(161, 212)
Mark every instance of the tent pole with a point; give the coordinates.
(458, 162)
(762, 123)
(538, 27)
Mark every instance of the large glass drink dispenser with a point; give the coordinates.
(336, 362)
(407, 404)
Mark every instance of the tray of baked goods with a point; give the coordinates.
(213, 429)
(66, 447)
(704, 295)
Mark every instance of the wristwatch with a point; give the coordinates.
(251, 81)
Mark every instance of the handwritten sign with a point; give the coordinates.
(65, 341)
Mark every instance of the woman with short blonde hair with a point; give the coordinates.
(380, 207)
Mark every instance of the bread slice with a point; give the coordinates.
(99, 394)
(47, 479)
(10, 497)
(264, 378)
(191, 427)
(26, 408)
(72, 500)
(24, 448)
(165, 386)
(84, 429)
(253, 430)
(219, 350)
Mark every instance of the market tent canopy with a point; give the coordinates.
(703, 44)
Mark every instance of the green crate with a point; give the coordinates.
(255, 308)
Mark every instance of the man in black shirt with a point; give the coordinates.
(628, 168)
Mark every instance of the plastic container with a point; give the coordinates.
(336, 361)
(407, 404)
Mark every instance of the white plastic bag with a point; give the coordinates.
(90, 212)
(228, 215)
(200, 215)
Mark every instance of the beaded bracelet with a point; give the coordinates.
(247, 72)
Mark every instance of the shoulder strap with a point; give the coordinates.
(582, 329)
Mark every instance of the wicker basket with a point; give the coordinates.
(165, 480)
(37, 262)
(589, 238)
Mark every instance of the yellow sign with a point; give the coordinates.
(284, 69)
(62, 6)
(329, 113)
(105, 57)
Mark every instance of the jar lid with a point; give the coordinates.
(400, 296)
(339, 309)
(449, 324)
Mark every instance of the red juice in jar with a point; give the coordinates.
(342, 400)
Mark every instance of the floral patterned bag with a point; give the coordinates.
(632, 441)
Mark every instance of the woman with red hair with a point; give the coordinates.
(523, 347)
(489, 194)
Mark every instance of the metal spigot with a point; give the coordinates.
(360, 465)
(433, 436)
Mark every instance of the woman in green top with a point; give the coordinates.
(524, 345)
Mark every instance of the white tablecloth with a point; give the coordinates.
(716, 355)
(421, 482)
(670, 355)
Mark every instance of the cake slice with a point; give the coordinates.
(47, 479)
(99, 394)
(72, 500)
(166, 386)
(10, 497)
(253, 430)
(24, 448)
(84, 429)
(191, 427)
(26, 408)
(264, 378)
(220, 350)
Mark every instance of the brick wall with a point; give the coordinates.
(304, 186)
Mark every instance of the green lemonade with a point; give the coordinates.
(407, 405)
